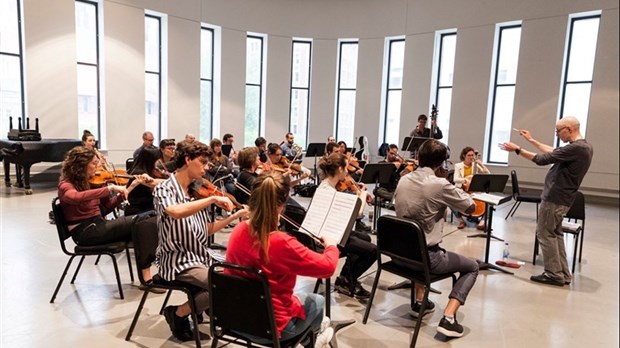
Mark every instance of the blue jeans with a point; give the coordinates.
(313, 306)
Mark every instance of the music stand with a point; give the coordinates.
(377, 173)
(411, 144)
(226, 149)
(351, 150)
(315, 150)
(489, 183)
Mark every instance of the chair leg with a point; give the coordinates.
(97, 260)
(535, 251)
(581, 243)
(328, 297)
(418, 323)
(136, 316)
(192, 305)
(372, 295)
(515, 210)
(129, 264)
(118, 276)
(163, 305)
(510, 211)
(317, 284)
(62, 277)
(77, 269)
(576, 242)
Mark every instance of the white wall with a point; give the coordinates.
(51, 69)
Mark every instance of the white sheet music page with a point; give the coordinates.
(487, 197)
(318, 210)
(339, 216)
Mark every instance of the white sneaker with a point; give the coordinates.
(323, 338)
(325, 324)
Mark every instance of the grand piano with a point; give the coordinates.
(26, 153)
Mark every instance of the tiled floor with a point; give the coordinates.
(501, 311)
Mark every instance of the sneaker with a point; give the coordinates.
(417, 307)
(325, 323)
(360, 226)
(450, 329)
(461, 225)
(179, 326)
(360, 293)
(343, 287)
(545, 279)
(323, 338)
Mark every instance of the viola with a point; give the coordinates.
(203, 188)
(102, 178)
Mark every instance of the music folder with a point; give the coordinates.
(332, 214)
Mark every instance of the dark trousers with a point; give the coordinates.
(361, 254)
(99, 231)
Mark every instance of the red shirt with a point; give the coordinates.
(78, 206)
(288, 258)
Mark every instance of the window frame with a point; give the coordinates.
(307, 88)
(211, 81)
(260, 86)
(441, 35)
(20, 56)
(387, 76)
(158, 73)
(339, 88)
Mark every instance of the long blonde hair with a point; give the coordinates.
(269, 192)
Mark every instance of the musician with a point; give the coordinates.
(88, 139)
(248, 163)
(261, 144)
(289, 149)
(463, 172)
(354, 170)
(221, 166)
(257, 243)
(423, 196)
(361, 253)
(331, 139)
(166, 163)
(81, 204)
(421, 131)
(190, 138)
(385, 191)
(147, 141)
(184, 227)
(146, 177)
(277, 160)
(229, 139)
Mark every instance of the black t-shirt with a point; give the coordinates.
(246, 179)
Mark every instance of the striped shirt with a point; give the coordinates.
(182, 242)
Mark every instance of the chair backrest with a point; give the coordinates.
(578, 209)
(129, 164)
(402, 240)
(515, 183)
(240, 301)
(61, 223)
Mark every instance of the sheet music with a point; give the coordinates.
(318, 210)
(490, 198)
(338, 218)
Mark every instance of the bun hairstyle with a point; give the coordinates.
(269, 193)
(86, 134)
(432, 153)
(330, 164)
(464, 152)
(190, 150)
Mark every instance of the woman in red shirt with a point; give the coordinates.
(257, 243)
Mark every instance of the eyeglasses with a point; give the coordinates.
(558, 131)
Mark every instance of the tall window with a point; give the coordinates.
(505, 62)
(206, 83)
(300, 90)
(253, 88)
(345, 98)
(87, 35)
(393, 89)
(445, 53)
(578, 68)
(152, 78)
(12, 100)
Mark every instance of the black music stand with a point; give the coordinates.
(377, 173)
(226, 149)
(489, 183)
(412, 144)
(315, 150)
(351, 150)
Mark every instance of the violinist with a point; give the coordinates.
(167, 148)
(276, 161)
(353, 165)
(464, 171)
(221, 166)
(248, 163)
(361, 253)
(184, 227)
(89, 142)
(229, 139)
(261, 144)
(145, 178)
(386, 190)
(81, 204)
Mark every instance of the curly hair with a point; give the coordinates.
(74, 167)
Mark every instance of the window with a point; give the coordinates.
(393, 89)
(12, 99)
(505, 62)
(254, 72)
(206, 83)
(445, 52)
(345, 97)
(88, 87)
(578, 68)
(152, 78)
(300, 90)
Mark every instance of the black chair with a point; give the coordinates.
(129, 164)
(405, 243)
(240, 308)
(145, 254)
(577, 212)
(518, 197)
(105, 249)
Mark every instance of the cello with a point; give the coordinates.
(480, 206)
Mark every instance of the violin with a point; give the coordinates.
(285, 164)
(117, 177)
(347, 185)
(203, 188)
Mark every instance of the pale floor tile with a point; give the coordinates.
(501, 311)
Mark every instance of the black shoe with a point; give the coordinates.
(360, 293)
(543, 278)
(343, 287)
(361, 226)
(417, 307)
(450, 329)
(179, 326)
